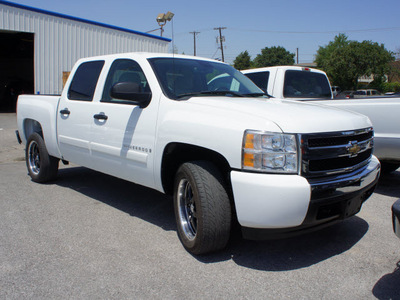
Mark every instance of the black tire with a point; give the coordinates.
(388, 167)
(202, 208)
(41, 166)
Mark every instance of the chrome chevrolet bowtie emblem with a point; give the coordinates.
(353, 148)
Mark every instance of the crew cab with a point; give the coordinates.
(309, 84)
(227, 154)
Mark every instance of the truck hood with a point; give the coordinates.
(289, 116)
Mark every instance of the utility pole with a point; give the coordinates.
(194, 41)
(221, 38)
(297, 55)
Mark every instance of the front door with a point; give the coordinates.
(122, 140)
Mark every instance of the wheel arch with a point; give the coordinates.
(46, 130)
(32, 126)
(175, 154)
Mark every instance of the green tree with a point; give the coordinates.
(345, 61)
(274, 56)
(242, 61)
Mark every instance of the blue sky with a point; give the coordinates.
(251, 25)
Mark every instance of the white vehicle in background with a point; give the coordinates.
(292, 82)
(312, 85)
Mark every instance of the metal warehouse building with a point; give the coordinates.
(37, 47)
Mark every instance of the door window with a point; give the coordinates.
(260, 79)
(84, 83)
(124, 70)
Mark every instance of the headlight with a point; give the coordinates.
(270, 152)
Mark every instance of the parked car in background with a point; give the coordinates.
(392, 94)
(367, 93)
(292, 82)
(345, 95)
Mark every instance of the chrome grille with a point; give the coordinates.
(336, 152)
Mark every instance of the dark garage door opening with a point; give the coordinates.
(16, 67)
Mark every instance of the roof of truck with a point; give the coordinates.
(299, 68)
(145, 55)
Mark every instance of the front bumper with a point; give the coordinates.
(269, 206)
(396, 217)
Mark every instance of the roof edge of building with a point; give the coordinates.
(42, 11)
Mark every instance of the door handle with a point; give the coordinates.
(65, 111)
(100, 116)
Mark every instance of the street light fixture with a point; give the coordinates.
(162, 20)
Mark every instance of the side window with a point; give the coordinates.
(260, 79)
(124, 70)
(84, 83)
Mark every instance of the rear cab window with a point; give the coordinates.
(306, 84)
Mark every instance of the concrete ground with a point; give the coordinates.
(91, 236)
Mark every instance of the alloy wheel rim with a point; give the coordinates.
(187, 209)
(34, 158)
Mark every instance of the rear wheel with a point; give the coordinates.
(41, 166)
(202, 207)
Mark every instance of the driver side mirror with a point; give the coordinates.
(131, 91)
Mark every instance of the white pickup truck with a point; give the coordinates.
(308, 84)
(202, 131)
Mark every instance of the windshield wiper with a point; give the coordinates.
(215, 93)
(257, 95)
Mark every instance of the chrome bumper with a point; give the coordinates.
(331, 200)
(347, 183)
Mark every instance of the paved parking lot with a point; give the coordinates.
(91, 236)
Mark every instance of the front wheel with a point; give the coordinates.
(41, 166)
(202, 208)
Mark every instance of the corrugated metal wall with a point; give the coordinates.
(60, 42)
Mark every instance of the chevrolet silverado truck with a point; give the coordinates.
(308, 84)
(203, 132)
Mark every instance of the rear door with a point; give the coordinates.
(75, 114)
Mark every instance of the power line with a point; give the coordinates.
(319, 32)
(305, 32)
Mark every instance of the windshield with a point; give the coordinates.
(303, 84)
(182, 78)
